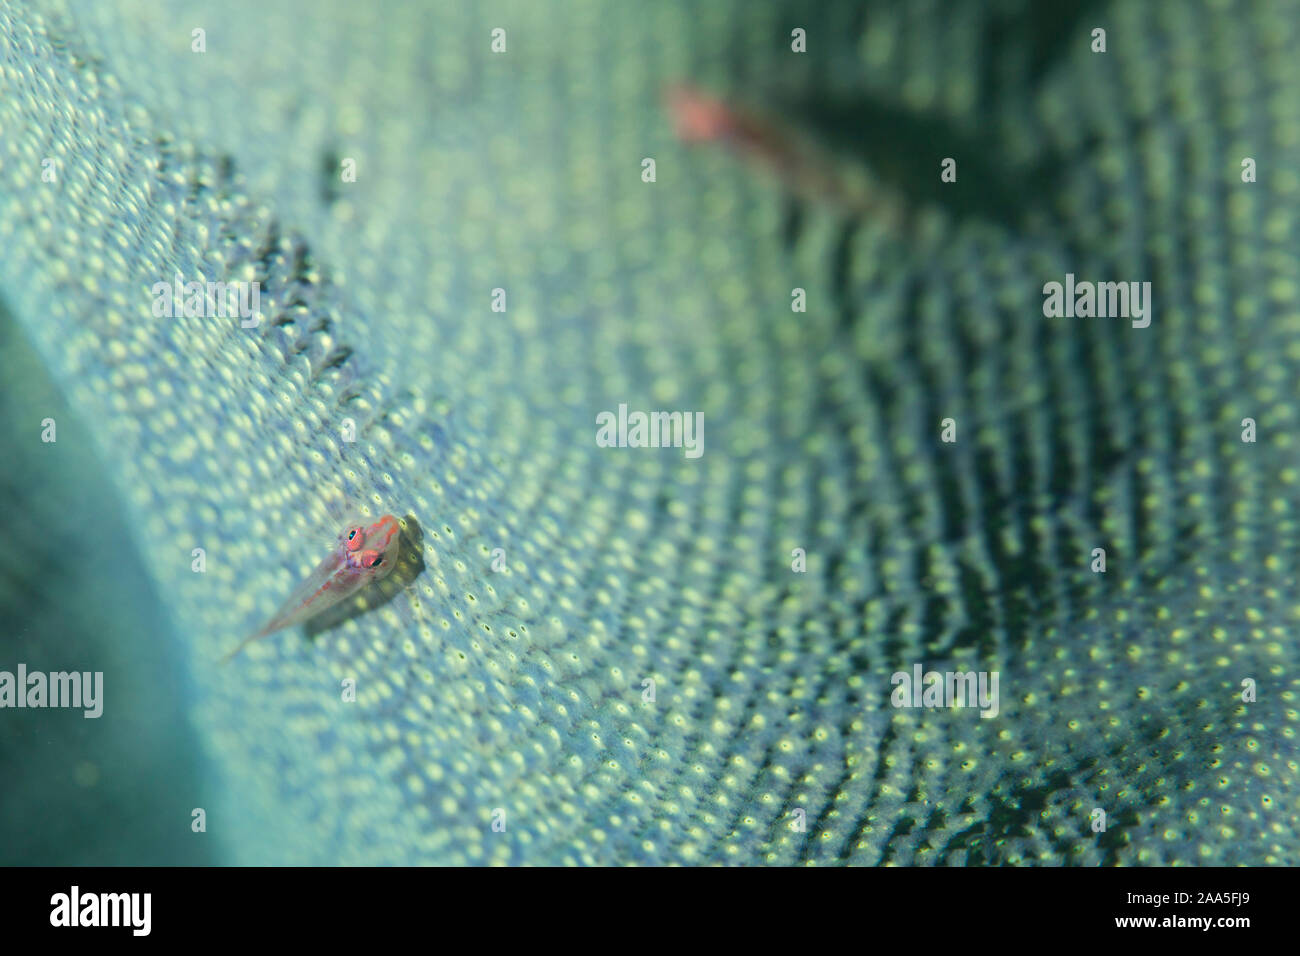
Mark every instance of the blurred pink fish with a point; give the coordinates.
(805, 169)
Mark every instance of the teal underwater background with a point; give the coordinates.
(519, 693)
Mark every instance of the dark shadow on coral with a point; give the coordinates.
(1022, 44)
(904, 150)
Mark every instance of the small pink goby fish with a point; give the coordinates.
(802, 167)
(363, 554)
